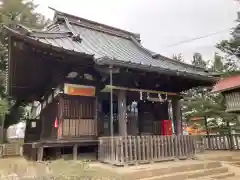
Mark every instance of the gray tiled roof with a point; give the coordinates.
(114, 45)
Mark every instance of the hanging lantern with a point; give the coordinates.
(161, 99)
(166, 98)
(141, 95)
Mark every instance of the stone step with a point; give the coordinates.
(223, 175)
(169, 168)
(190, 174)
(216, 176)
(233, 178)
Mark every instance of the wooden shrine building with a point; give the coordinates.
(87, 80)
(230, 88)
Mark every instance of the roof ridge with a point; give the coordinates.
(42, 34)
(97, 29)
(183, 63)
(94, 23)
(137, 43)
(51, 35)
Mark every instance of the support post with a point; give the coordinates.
(58, 153)
(177, 115)
(75, 151)
(122, 110)
(111, 102)
(230, 136)
(207, 129)
(40, 153)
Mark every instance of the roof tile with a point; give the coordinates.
(123, 48)
(227, 84)
(102, 44)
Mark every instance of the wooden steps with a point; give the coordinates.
(186, 175)
(184, 170)
(216, 176)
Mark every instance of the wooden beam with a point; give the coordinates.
(108, 87)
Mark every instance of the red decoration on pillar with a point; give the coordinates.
(56, 123)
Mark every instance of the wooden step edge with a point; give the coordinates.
(186, 173)
(233, 178)
(215, 176)
(150, 172)
(205, 165)
(223, 175)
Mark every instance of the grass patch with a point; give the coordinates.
(60, 169)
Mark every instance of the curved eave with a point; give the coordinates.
(225, 90)
(38, 43)
(115, 62)
(227, 84)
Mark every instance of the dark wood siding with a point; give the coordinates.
(32, 133)
(48, 117)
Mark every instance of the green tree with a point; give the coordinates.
(178, 57)
(232, 48)
(200, 102)
(218, 65)
(198, 60)
(13, 12)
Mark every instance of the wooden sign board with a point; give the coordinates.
(79, 90)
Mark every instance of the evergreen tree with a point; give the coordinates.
(218, 65)
(232, 48)
(178, 57)
(200, 102)
(198, 60)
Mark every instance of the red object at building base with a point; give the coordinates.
(166, 127)
(56, 123)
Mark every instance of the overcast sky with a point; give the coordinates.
(161, 23)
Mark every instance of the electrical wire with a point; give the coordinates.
(199, 37)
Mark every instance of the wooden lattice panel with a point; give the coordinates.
(83, 108)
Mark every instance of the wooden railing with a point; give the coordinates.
(120, 150)
(218, 142)
(12, 149)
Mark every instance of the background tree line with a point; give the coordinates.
(13, 12)
(200, 102)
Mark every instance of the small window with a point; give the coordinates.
(33, 124)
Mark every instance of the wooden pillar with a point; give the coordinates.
(58, 153)
(75, 152)
(40, 153)
(122, 110)
(177, 115)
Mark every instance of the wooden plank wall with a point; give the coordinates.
(77, 116)
(79, 127)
